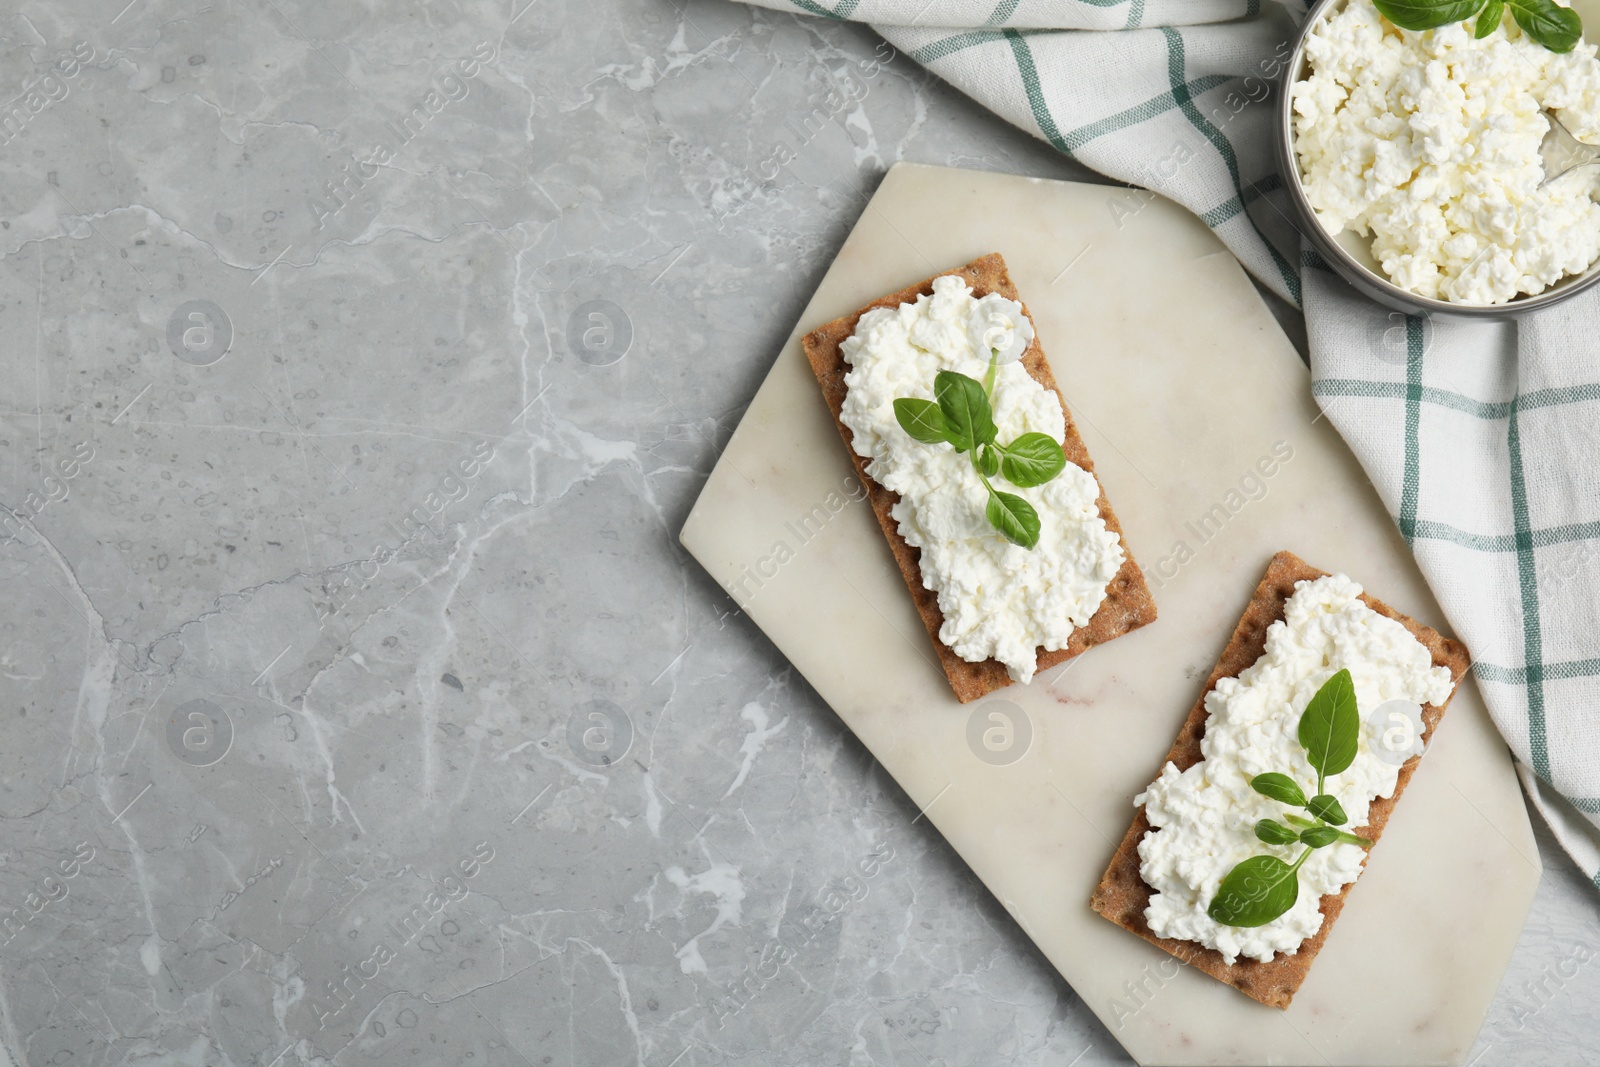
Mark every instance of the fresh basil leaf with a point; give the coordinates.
(922, 419)
(1326, 807)
(967, 418)
(1318, 836)
(1275, 833)
(988, 461)
(1279, 787)
(1557, 28)
(1255, 892)
(1032, 459)
(1426, 14)
(1331, 725)
(1489, 18)
(1014, 517)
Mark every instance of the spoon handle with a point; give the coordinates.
(1561, 152)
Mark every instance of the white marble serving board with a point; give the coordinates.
(1180, 381)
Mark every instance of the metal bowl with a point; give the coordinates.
(1350, 254)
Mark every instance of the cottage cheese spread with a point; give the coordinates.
(1204, 818)
(998, 600)
(1429, 142)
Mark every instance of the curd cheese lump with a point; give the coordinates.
(999, 600)
(1429, 143)
(1203, 819)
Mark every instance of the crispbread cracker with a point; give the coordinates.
(1127, 605)
(1122, 894)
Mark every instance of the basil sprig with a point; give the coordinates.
(960, 416)
(1262, 888)
(1557, 28)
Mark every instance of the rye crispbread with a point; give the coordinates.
(1128, 604)
(1122, 894)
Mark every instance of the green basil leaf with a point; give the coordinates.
(1489, 18)
(1275, 833)
(1279, 787)
(1426, 14)
(1557, 28)
(1331, 726)
(1326, 807)
(1255, 892)
(1032, 459)
(922, 419)
(1318, 836)
(988, 461)
(967, 418)
(1014, 517)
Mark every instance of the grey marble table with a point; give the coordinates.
(359, 365)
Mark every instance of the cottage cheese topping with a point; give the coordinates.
(1429, 142)
(999, 600)
(1204, 818)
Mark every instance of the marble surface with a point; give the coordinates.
(360, 705)
(1033, 785)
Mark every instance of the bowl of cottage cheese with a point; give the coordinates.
(1413, 159)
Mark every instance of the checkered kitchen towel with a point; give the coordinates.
(1490, 464)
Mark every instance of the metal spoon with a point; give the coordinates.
(1561, 152)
